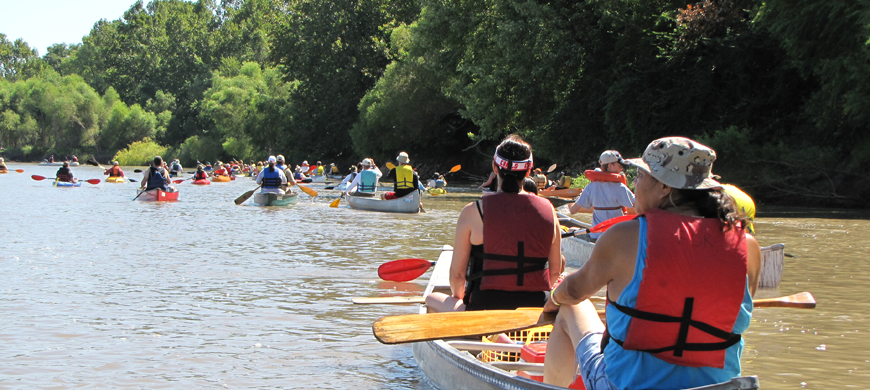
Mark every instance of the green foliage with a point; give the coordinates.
(198, 148)
(140, 153)
(18, 61)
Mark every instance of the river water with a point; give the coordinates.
(98, 291)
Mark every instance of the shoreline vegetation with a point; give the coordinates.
(778, 88)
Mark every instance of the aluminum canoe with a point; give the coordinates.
(408, 204)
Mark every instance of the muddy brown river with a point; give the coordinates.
(98, 291)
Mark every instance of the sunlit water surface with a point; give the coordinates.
(99, 291)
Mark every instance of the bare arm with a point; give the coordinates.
(555, 258)
(753, 262)
(469, 221)
(575, 209)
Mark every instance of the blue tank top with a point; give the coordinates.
(641, 370)
(368, 181)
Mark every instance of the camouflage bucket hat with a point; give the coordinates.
(679, 162)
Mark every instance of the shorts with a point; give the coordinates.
(591, 361)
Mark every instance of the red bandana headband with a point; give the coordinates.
(512, 165)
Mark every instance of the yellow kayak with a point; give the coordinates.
(220, 179)
(437, 191)
(116, 179)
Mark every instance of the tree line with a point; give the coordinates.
(779, 88)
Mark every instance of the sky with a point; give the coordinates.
(42, 23)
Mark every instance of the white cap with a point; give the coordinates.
(367, 162)
(305, 162)
(403, 158)
(272, 159)
(610, 156)
(281, 157)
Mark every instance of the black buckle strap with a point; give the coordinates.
(524, 264)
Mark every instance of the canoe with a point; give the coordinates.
(318, 179)
(275, 199)
(116, 179)
(58, 164)
(563, 193)
(156, 195)
(201, 182)
(220, 179)
(456, 364)
(408, 204)
(67, 184)
(577, 252)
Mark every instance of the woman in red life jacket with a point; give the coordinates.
(506, 251)
(680, 279)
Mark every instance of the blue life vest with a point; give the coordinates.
(368, 181)
(156, 180)
(281, 166)
(271, 179)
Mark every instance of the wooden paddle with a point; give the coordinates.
(246, 196)
(89, 181)
(403, 270)
(434, 326)
(337, 201)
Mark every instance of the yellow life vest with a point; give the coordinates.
(404, 177)
(744, 204)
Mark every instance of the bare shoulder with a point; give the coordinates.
(620, 237)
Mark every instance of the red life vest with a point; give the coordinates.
(593, 175)
(517, 236)
(200, 175)
(691, 292)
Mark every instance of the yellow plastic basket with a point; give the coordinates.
(525, 336)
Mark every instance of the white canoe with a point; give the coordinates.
(577, 252)
(448, 367)
(408, 204)
(57, 164)
(318, 179)
(275, 199)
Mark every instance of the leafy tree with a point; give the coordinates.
(18, 61)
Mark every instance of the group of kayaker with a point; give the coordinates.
(679, 277)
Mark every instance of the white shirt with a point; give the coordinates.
(605, 195)
(358, 179)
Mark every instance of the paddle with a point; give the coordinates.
(391, 165)
(600, 227)
(19, 170)
(246, 196)
(307, 190)
(337, 201)
(551, 169)
(41, 178)
(403, 270)
(137, 171)
(434, 326)
(141, 191)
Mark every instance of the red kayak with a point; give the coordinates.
(201, 182)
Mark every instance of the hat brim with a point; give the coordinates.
(706, 184)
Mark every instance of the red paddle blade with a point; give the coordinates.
(177, 181)
(403, 270)
(37, 177)
(19, 170)
(610, 222)
(93, 181)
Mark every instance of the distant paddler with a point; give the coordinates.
(175, 169)
(319, 170)
(64, 174)
(200, 173)
(156, 177)
(405, 180)
(114, 171)
(3, 166)
(291, 181)
(366, 182)
(221, 169)
(271, 178)
(333, 170)
(744, 204)
(281, 164)
(608, 195)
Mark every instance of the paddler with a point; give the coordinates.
(496, 234)
(333, 170)
(175, 169)
(319, 171)
(221, 169)
(540, 179)
(200, 173)
(288, 173)
(156, 176)
(64, 174)
(281, 164)
(3, 165)
(114, 171)
(744, 203)
(405, 180)
(686, 256)
(366, 182)
(272, 179)
(607, 196)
